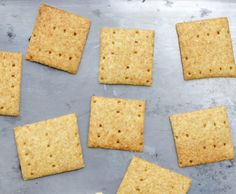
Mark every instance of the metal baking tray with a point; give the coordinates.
(47, 93)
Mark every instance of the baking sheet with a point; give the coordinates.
(47, 93)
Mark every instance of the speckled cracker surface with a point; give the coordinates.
(116, 124)
(58, 39)
(202, 136)
(49, 147)
(10, 83)
(206, 49)
(126, 56)
(145, 177)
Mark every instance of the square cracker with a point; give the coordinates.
(206, 49)
(10, 83)
(49, 147)
(202, 136)
(145, 177)
(58, 39)
(126, 56)
(116, 124)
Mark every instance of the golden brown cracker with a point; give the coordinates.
(10, 83)
(58, 39)
(206, 49)
(202, 136)
(116, 124)
(145, 177)
(49, 147)
(126, 56)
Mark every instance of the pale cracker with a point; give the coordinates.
(116, 124)
(206, 49)
(145, 177)
(49, 147)
(126, 56)
(10, 83)
(202, 136)
(58, 39)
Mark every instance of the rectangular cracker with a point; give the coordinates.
(58, 39)
(145, 177)
(126, 56)
(49, 147)
(116, 123)
(10, 83)
(202, 136)
(206, 49)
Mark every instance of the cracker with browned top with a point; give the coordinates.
(206, 49)
(10, 83)
(202, 136)
(126, 56)
(145, 177)
(116, 124)
(49, 147)
(58, 39)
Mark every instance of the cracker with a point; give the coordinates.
(206, 49)
(49, 147)
(58, 39)
(116, 124)
(10, 83)
(145, 177)
(202, 136)
(126, 56)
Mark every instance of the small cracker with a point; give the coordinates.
(116, 124)
(10, 83)
(49, 147)
(126, 56)
(206, 49)
(202, 136)
(58, 39)
(145, 177)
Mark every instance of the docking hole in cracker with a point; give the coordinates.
(10, 83)
(58, 39)
(145, 177)
(202, 136)
(206, 49)
(126, 56)
(116, 124)
(49, 147)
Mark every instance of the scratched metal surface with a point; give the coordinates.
(48, 93)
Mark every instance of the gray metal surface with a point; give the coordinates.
(48, 93)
